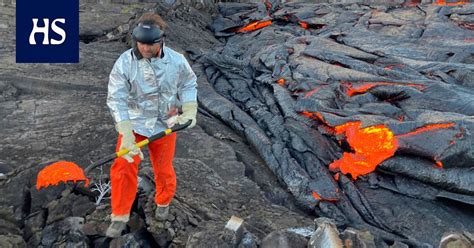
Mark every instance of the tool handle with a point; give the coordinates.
(140, 144)
(173, 129)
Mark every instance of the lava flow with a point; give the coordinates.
(315, 116)
(372, 145)
(364, 87)
(62, 171)
(426, 128)
(319, 198)
(449, 3)
(281, 81)
(429, 127)
(254, 26)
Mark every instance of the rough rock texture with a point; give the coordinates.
(313, 86)
(52, 112)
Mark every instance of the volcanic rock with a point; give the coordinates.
(277, 82)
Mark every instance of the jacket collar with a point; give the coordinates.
(163, 56)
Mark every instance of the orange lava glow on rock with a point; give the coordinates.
(307, 114)
(429, 127)
(315, 116)
(372, 145)
(449, 3)
(254, 26)
(364, 87)
(61, 171)
(281, 81)
(319, 198)
(311, 92)
(316, 196)
(304, 25)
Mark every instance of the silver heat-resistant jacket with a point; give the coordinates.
(148, 92)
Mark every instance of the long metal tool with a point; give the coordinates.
(64, 171)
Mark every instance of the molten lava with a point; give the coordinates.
(61, 171)
(371, 145)
(439, 164)
(364, 87)
(304, 25)
(429, 127)
(307, 25)
(449, 3)
(281, 81)
(319, 198)
(254, 26)
(309, 115)
(315, 116)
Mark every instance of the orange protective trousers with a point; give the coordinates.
(124, 175)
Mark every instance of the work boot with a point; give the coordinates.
(161, 213)
(115, 229)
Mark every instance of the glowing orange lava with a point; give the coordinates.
(412, 3)
(308, 114)
(449, 3)
(318, 197)
(315, 116)
(281, 81)
(304, 25)
(61, 171)
(372, 145)
(364, 87)
(429, 127)
(254, 26)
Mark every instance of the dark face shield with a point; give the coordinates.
(147, 34)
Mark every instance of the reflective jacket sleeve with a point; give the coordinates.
(187, 91)
(118, 90)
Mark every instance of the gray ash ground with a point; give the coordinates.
(235, 162)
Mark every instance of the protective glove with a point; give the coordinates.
(128, 140)
(189, 113)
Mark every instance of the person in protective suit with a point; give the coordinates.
(147, 86)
